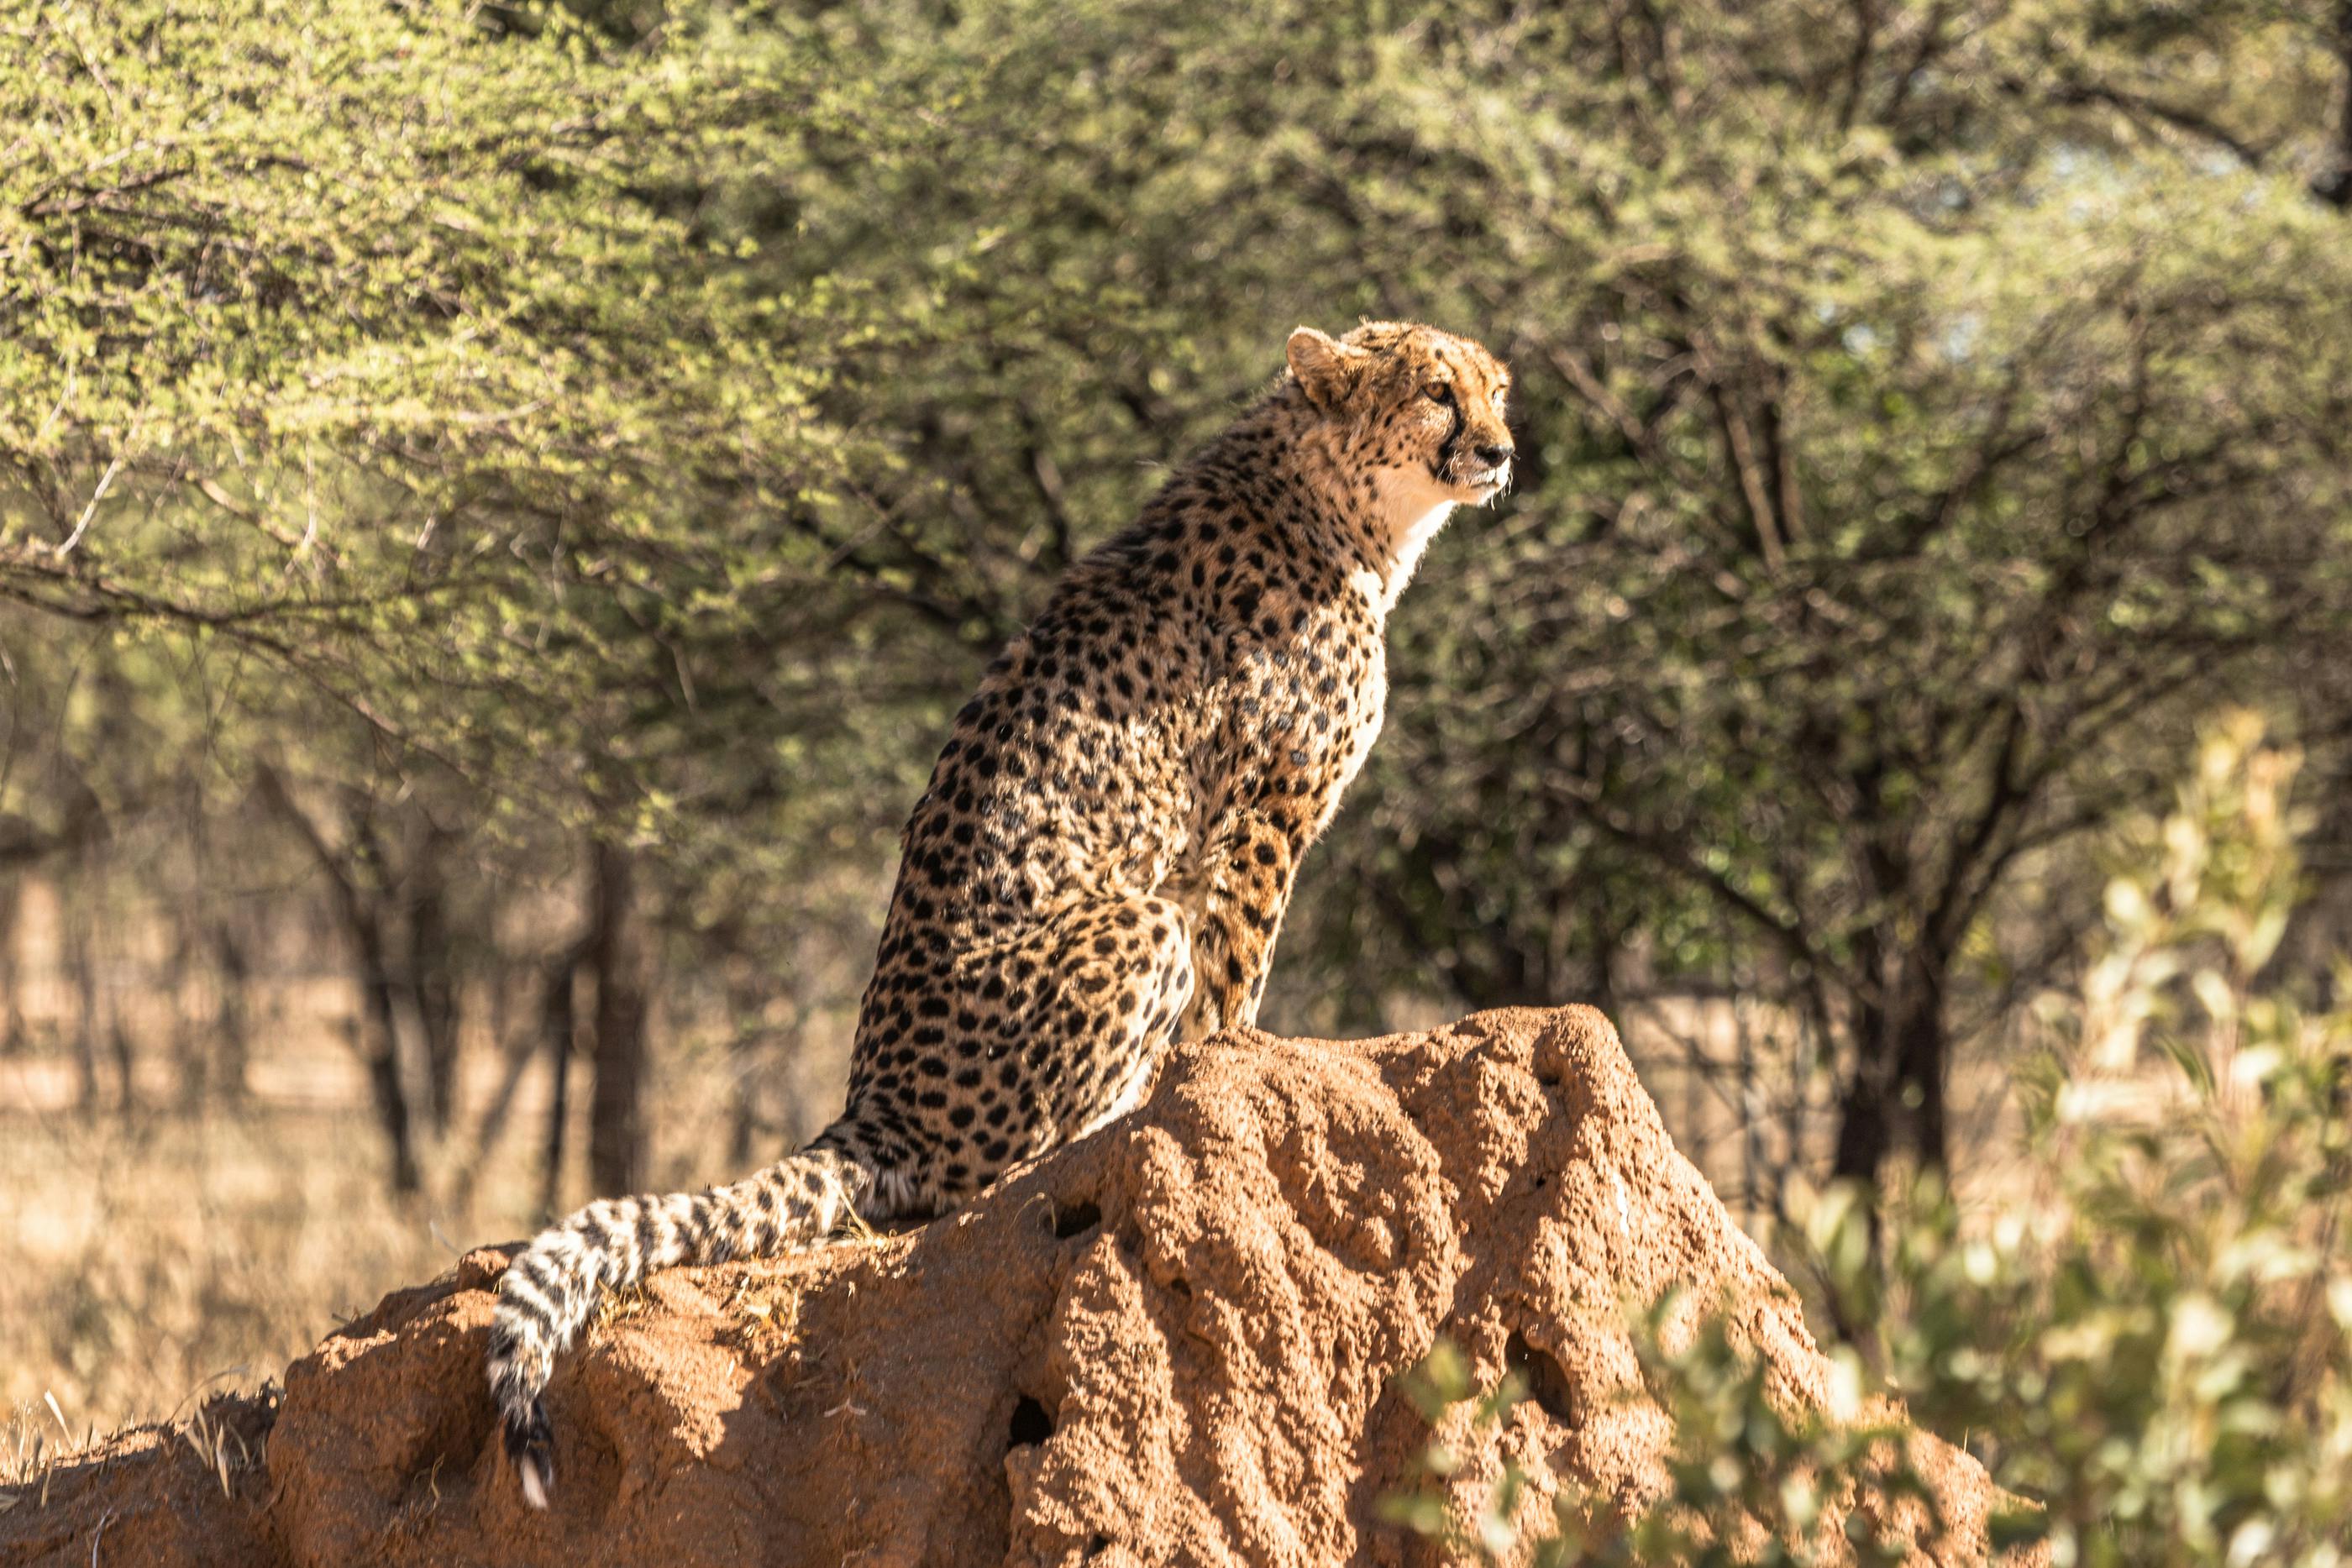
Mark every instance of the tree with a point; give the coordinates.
(1925, 409)
(392, 395)
(649, 423)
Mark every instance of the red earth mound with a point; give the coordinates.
(1177, 1341)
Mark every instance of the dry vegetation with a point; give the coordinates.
(154, 1255)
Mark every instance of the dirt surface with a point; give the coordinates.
(1175, 1343)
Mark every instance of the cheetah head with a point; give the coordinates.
(1423, 406)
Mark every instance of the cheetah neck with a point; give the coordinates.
(1384, 523)
(1374, 523)
(1411, 507)
(1370, 521)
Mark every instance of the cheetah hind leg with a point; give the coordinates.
(1060, 1032)
(1122, 972)
(551, 1289)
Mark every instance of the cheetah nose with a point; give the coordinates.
(1494, 457)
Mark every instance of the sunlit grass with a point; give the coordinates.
(154, 1257)
(150, 1259)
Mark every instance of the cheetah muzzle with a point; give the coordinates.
(1101, 864)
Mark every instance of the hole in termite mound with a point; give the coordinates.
(1030, 1424)
(1075, 1220)
(1545, 1383)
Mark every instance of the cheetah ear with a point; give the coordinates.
(1323, 365)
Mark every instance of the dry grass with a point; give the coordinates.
(155, 1258)
(31, 1449)
(152, 1260)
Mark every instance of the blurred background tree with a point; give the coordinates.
(497, 504)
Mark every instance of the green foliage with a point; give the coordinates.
(417, 362)
(1807, 1487)
(2152, 1343)
(1749, 1481)
(1440, 1384)
(2160, 1348)
(1914, 479)
(649, 416)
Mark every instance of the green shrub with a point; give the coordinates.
(2146, 1339)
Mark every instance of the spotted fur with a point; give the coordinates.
(1101, 864)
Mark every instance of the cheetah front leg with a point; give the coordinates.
(1250, 865)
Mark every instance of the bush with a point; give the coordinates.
(2146, 1340)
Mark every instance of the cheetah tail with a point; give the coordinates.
(551, 1289)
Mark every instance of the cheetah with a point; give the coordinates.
(1100, 865)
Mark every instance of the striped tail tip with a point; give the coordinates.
(530, 1444)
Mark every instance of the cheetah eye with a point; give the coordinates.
(1438, 392)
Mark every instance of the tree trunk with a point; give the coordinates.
(190, 1042)
(743, 1107)
(1866, 1104)
(232, 1025)
(616, 1132)
(432, 970)
(391, 1078)
(388, 1024)
(557, 1022)
(1922, 1067)
(81, 963)
(1894, 1102)
(126, 1062)
(2333, 185)
(2319, 928)
(11, 1017)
